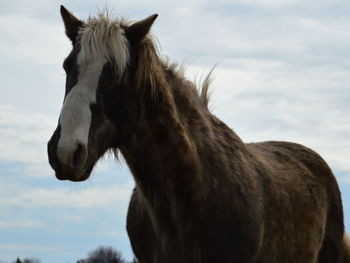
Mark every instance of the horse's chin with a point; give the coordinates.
(75, 176)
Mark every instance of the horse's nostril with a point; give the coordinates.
(79, 156)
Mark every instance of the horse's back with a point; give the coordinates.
(302, 204)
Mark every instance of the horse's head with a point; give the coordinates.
(100, 106)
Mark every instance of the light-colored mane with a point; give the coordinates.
(103, 36)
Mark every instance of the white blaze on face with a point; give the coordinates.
(100, 39)
(75, 117)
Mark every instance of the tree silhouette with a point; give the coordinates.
(27, 260)
(31, 260)
(103, 255)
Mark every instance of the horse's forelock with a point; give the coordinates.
(104, 36)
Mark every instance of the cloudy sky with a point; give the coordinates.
(283, 73)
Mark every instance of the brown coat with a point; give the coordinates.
(202, 195)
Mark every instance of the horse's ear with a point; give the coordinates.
(137, 31)
(71, 23)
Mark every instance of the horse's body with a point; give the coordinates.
(266, 202)
(201, 195)
(276, 223)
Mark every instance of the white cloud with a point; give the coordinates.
(102, 197)
(347, 178)
(24, 137)
(21, 224)
(29, 248)
(31, 39)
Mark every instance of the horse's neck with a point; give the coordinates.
(170, 150)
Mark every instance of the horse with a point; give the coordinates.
(201, 194)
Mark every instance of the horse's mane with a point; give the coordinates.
(104, 35)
